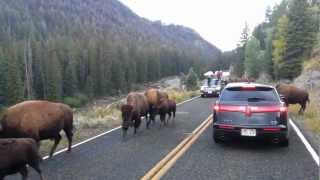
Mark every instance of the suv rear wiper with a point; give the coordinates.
(255, 99)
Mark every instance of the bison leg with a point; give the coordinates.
(56, 142)
(24, 172)
(148, 120)
(137, 123)
(69, 135)
(124, 132)
(303, 107)
(162, 119)
(35, 166)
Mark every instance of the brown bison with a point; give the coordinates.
(293, 95)
(154, 95)
(165, 107)
(16, 154)
(136, 107)
(38, 120)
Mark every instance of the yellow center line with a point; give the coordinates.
(170, 159)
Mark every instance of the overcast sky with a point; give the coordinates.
(218, 21)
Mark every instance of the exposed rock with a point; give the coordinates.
(309, 79)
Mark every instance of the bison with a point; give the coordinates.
(166, 106)
(136, 107)
(16, 154)
(293, 95)
(154, 95)
(38, 120)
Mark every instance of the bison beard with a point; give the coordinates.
(136, 107)
(15, 154)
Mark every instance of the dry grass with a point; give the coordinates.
(311, 117)
(313, 64)
(181, 95)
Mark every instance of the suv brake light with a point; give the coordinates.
(248, 88)
(250, 109)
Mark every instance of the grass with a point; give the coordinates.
(312, 64)
(311, 116)
(181, 95)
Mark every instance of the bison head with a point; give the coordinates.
(127, 113)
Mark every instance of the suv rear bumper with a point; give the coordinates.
(280, 134)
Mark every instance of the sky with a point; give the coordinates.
(218, 21)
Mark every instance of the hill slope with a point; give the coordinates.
(64, 47)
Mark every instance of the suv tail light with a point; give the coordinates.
(248, 110)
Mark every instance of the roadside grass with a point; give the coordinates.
(311, 117)
(181, 95)
(313, 64)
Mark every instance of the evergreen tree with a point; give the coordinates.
(13, 88)
(298, 39)
(240, 51)
(54, 79)
(253, 58)
(280, 45)
(192, 80)
(267, 58)
(2, 79)
(69, 81)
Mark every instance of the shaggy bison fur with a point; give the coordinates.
(38, 120)
(136, 107)
(293, 95)
(16, 154)
(166, 107)
(154, 96)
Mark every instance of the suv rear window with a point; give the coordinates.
(259, 94)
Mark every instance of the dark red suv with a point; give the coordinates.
(250, 110)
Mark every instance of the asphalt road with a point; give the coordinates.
(244, 161)
(108, 157)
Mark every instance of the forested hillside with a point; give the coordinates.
(279, 46)
(63, 48)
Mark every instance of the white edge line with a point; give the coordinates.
(187, 100)
(305, 142)
(82, 142)
(104, 133)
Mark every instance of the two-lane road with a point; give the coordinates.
(108, 157)
(245, 161)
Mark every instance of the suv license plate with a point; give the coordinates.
(210, 92)
(248, 132)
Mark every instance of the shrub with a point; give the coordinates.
(192, 80)
(76, 101)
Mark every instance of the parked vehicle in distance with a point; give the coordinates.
(250, 110)
(211, 87)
